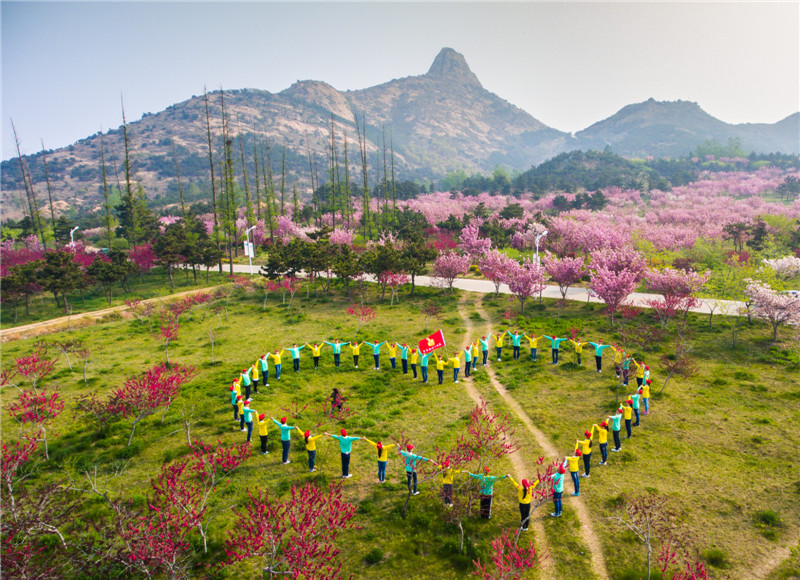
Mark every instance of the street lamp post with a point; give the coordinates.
(250, 248)
(539, 237)
(72, 237)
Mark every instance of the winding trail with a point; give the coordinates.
(547, 569)
(586, 531)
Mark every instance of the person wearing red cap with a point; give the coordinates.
(516, 341)
(264, 369)
(558, 490)
(383, 457)
(440, 362)
(484, 349)
(316, 351)
(404, 357)
(337, 350)
(640, 366)
(524, 495)
(616, 420)
(295, 351)
(286, 438)
(355, 348)
(311, 448)
(599, 347)
(498, 343)
(634, 398)
(533, 345)
(246, 381)
(572, 461)
(447, 482)
(234, 397)
(627, 413)
(602, 439)
(475, 352)
(240, 407)
(411, 460)
(276, 362)
(585, 446)
(345, 445)
(456, 362)
(646, 396)
(254, 375)
(393, 354)
(414, 361)
(487, 490)
(555, 344)
(262, 433)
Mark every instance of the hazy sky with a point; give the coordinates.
(64, 65)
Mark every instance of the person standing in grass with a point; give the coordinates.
(486, 482)
(524, 495)
(276, 362)
(311, 448)
(254, 377)
(558, 491)
(248, 419)
(585, 446)
(316, 350)
(447, 482)
(247, 382)
(616, 422)
(456, 362)
(393, 354)
(411, 460)
(404, 357)
(627, 413)
(599, 347)
(262, 433)
(555, 343)
(533, 344)
(355, 348)
(345, 445)
(467, 361)
(264, 367)
(376, 352)
(619, 355)
(626, 370)
(337, 351)
(634, 398)
(640, 366)
(414, 361)
(516, 341)
(646, 396)
(383, 457)
(234, 399)
(240, 407)
(578, 345)
(423, 366)
(602, 439)
(440, 362)
(485, 349)
(475, 352)
(295, 350)
(573, 461)
(286, 438)
(498, 343)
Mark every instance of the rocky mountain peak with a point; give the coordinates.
(452, 66)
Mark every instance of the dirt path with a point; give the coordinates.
(521, 469)
(77, 320)
(774, 559)
(586, 530)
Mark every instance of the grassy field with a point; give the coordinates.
(721, 445)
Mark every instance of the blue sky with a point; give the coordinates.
(65, 65)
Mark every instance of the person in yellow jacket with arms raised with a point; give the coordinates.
(578, 345)
(456, 362)
(524, 495)
(414, 361)
(316, 350)
(311, 447)
(262, 432)
(602, 439)
(276, 362)
(383, 457)
(533, 345)
(447, 482)
(585, 446)
(254, 376)
(355, 348)
(573, 462)
(498, 343)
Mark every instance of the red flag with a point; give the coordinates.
(434, 341)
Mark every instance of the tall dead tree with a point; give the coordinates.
(213, 178)
(49, 189)
(107, 205)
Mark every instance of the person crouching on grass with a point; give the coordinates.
(311, 448)
(345, 445)
(383, 457)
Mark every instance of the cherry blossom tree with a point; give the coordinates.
(363, 314)
(447, 267)
(774, 307)
(677, 288)
(142, 395)
(393, 280)
(38, 410)
(495, 266)
(431, 310)
(786, 268)
(167, 334)
(34, 367)
(510, 561)
(294, 537)
(343, 237)
(612, 287)
(525, 280)
(565, 272)
(472, 244)
(291, 285)
(144, 257)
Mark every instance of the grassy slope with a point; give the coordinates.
(714, 455)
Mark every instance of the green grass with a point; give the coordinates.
(707, 443)
(152, 285)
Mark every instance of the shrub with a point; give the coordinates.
(374, 556)
(716, 557)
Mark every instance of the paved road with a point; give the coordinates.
(578, 294)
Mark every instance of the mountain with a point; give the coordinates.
(674, 129)
(435, 123)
